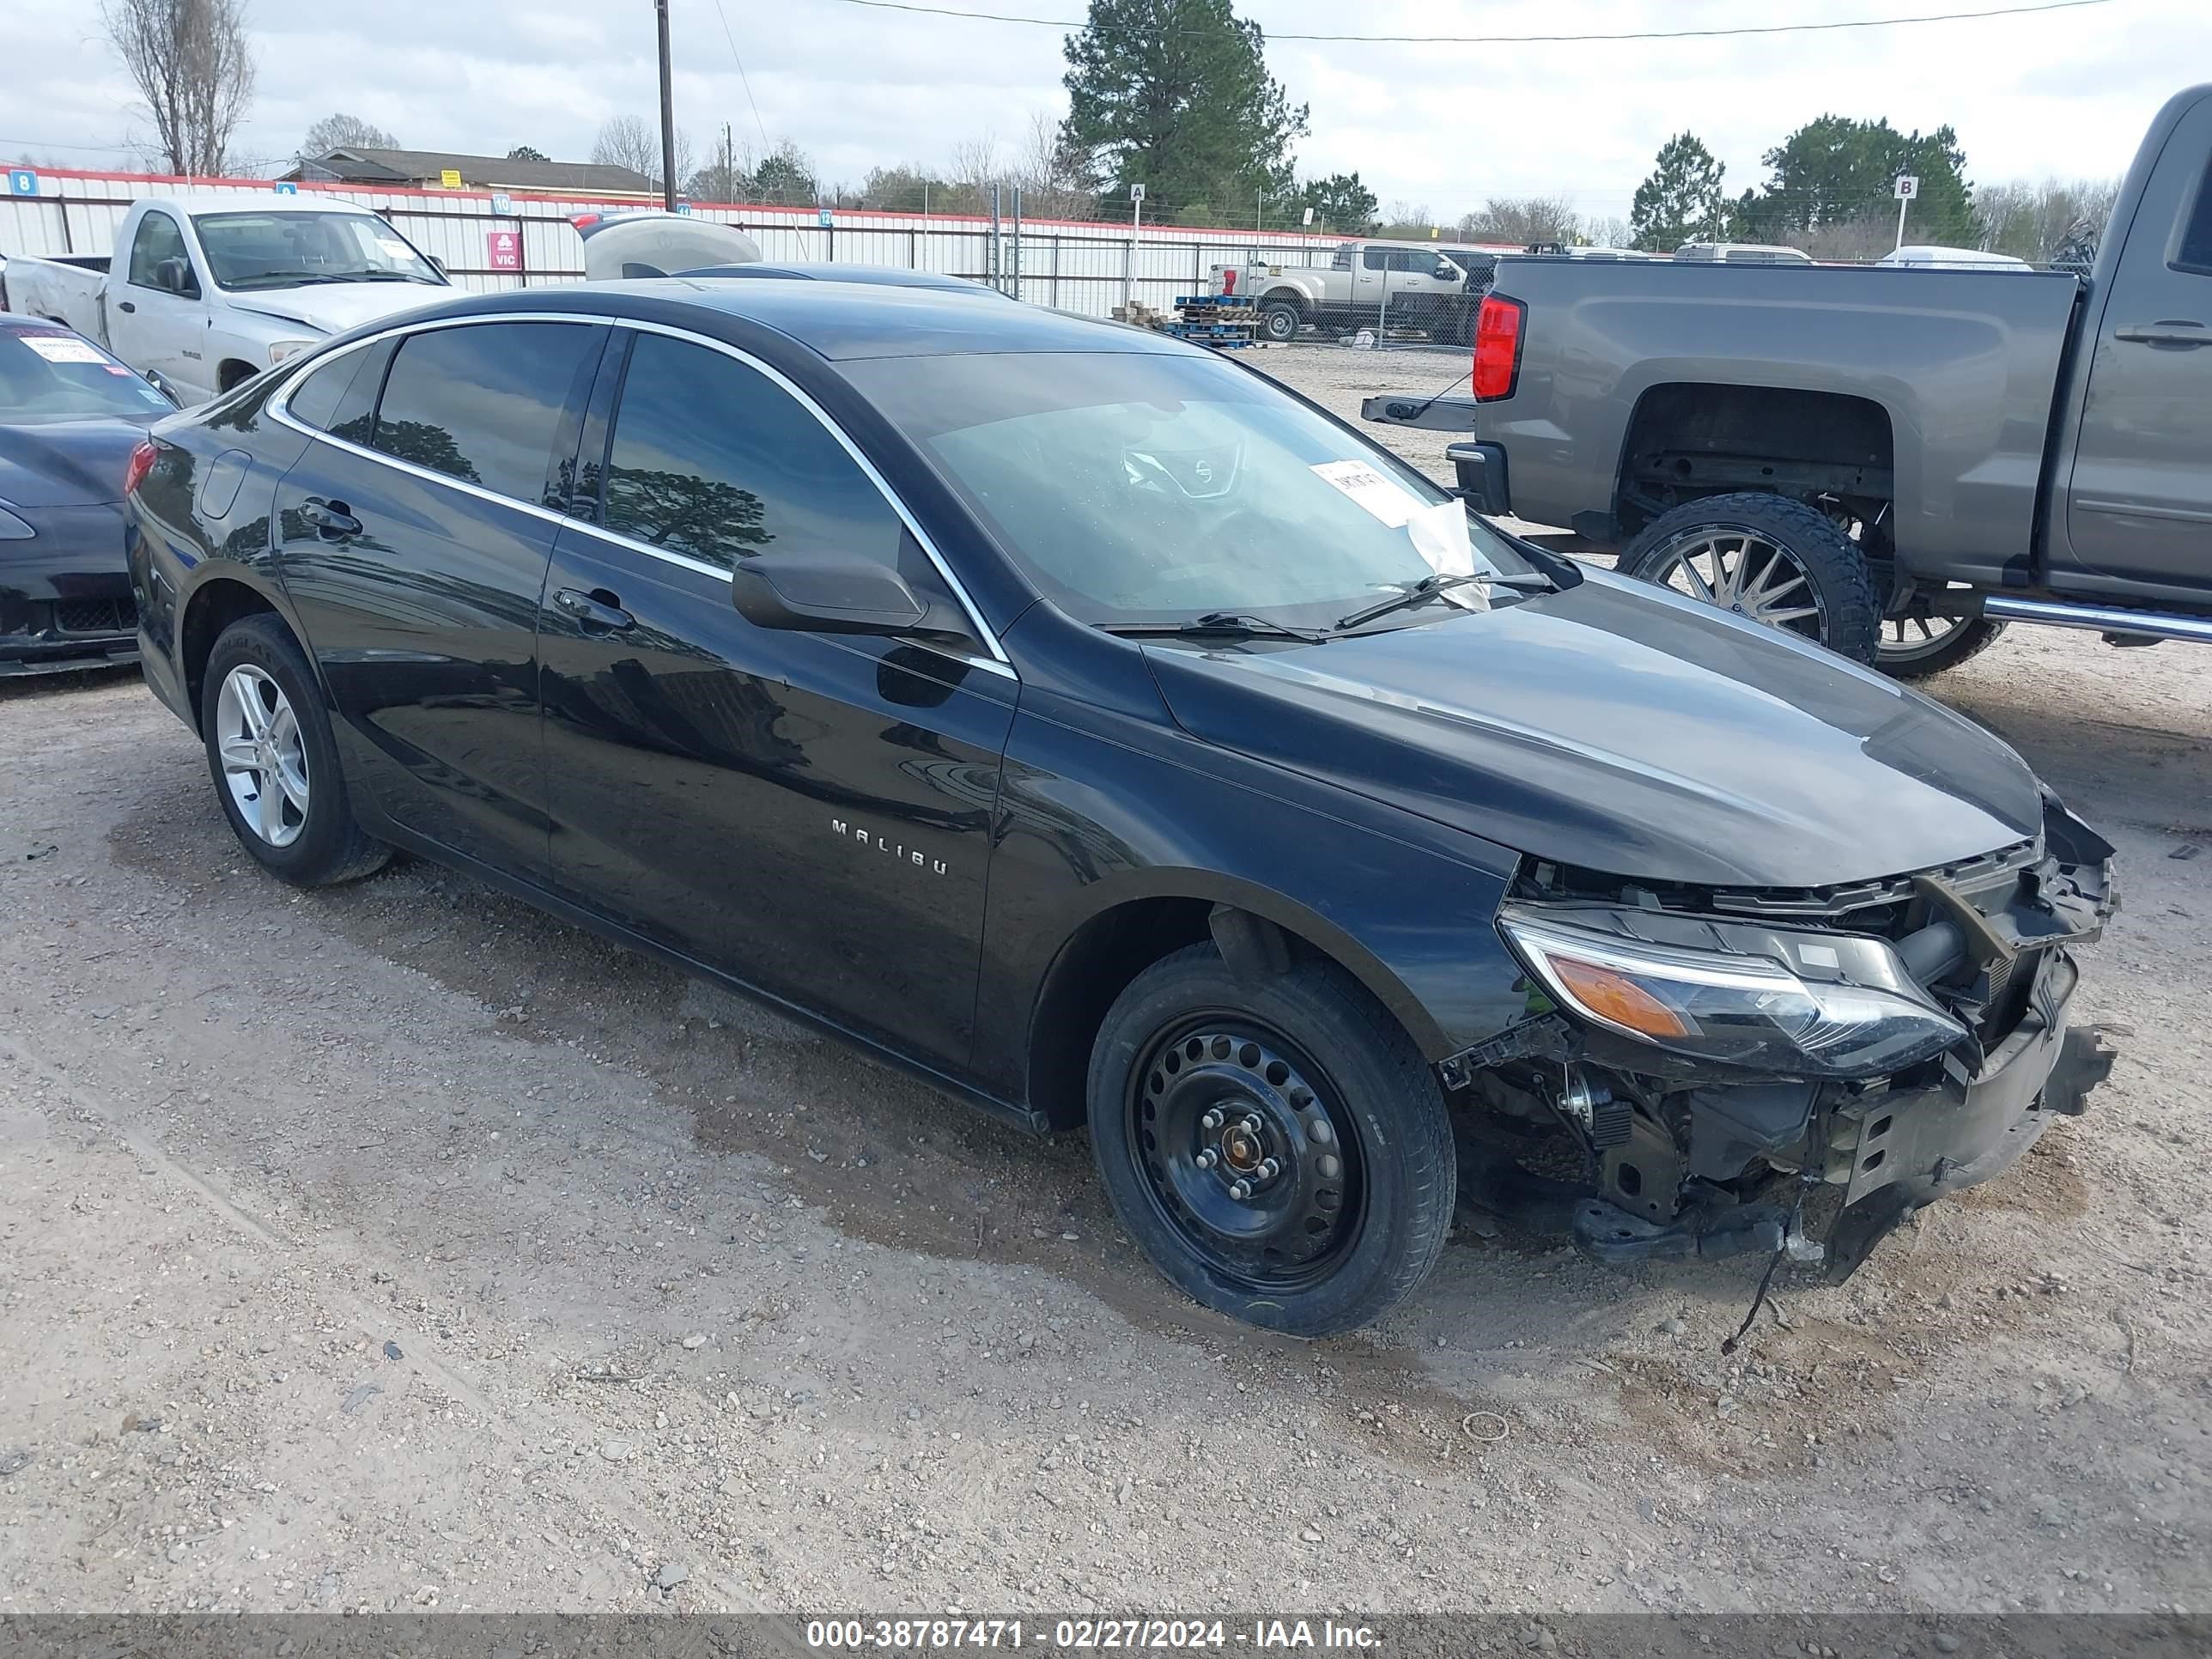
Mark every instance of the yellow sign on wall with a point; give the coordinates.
(450, 178)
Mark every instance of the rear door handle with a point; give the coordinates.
(124, 305)
(2172, 332)
(330, 519)
(598, 611)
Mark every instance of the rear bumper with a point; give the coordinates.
(1480, 476)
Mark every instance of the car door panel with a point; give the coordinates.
(153, 328)
(808, 812)
(2139, 501)
(420, 591)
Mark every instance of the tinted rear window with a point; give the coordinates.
(483, 402)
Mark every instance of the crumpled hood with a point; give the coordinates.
(69, 463)
(333, 307)
(1624, 730)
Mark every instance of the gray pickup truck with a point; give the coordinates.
(1893, 462)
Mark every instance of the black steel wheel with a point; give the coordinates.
(1278, 1148)
(1245, 1154)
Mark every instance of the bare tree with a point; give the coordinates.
(343, 131)
(1524, 220)
(192, 65)
(1053, 177)
(630, 141)
(2032, 221)
(1609, 233)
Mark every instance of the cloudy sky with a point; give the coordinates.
(2066, 92)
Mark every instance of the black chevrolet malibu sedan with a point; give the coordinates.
(1106, 735)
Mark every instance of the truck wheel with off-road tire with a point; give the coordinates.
(1280, 319)
(1914, 646)
(1276, 1146)
(1770, 560)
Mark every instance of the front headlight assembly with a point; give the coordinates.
(1740, 1009)
(13, 529)
(281, 350)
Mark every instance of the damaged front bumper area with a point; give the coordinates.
(1687, 1155)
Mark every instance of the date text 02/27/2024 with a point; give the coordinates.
(1082, 1634)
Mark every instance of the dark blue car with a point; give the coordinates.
(69, 416)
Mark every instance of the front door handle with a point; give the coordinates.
(124, 305)
(332, 520)
(596, 613)
(2173, 333)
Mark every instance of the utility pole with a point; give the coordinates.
(667, 113)
(729, 165)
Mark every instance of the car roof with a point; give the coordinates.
(844, 271)
(839, 321)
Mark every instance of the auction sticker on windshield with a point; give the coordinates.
(1390, 502)
(64, 349)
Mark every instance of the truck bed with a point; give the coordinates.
(1961, 368)
(63, 290)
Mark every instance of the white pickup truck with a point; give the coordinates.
(205, 290)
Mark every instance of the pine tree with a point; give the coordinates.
(1175, 94)
(1682, 200)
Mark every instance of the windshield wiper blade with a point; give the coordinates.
(1219, 624)
(1429, 587)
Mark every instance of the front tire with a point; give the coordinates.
(1768, 559)
(1280, 320)
(1915, 648)
(275, 762)
(1280, 1150)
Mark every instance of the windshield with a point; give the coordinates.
(287, 250)
(1156, 488)
(47, 376)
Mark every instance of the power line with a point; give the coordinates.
(745, 79)
(1512, 40)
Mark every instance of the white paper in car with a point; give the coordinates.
(63, 347)
(1389, 501)
(1439, 534)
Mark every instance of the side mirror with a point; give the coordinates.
(174, 276)
(154, 378)
(823, 593)
(1445, 270)
(437, 264)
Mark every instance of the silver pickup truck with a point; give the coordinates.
(1894, 462)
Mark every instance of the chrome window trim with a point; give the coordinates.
(278, 408)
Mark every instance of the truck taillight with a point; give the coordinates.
(141, 463)
(1498, 346)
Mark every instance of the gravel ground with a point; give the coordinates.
(396, 1246)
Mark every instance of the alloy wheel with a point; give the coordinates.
(1744, 572)
(1912, 639)
(1246, 1152)
(264, 759)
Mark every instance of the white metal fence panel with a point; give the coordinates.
(1083, 267)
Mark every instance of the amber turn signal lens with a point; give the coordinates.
(1614, 997)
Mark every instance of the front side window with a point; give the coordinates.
(269, 249)
(159, 238)
(1341, 259)
(482, 402)
(1141, 487)
(2195, 251)
(712, 459)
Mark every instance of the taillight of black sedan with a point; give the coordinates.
(1111, 739)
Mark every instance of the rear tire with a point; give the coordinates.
(1769, 559)
(275, 762)
(1320, 1107)
(1279, 321)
